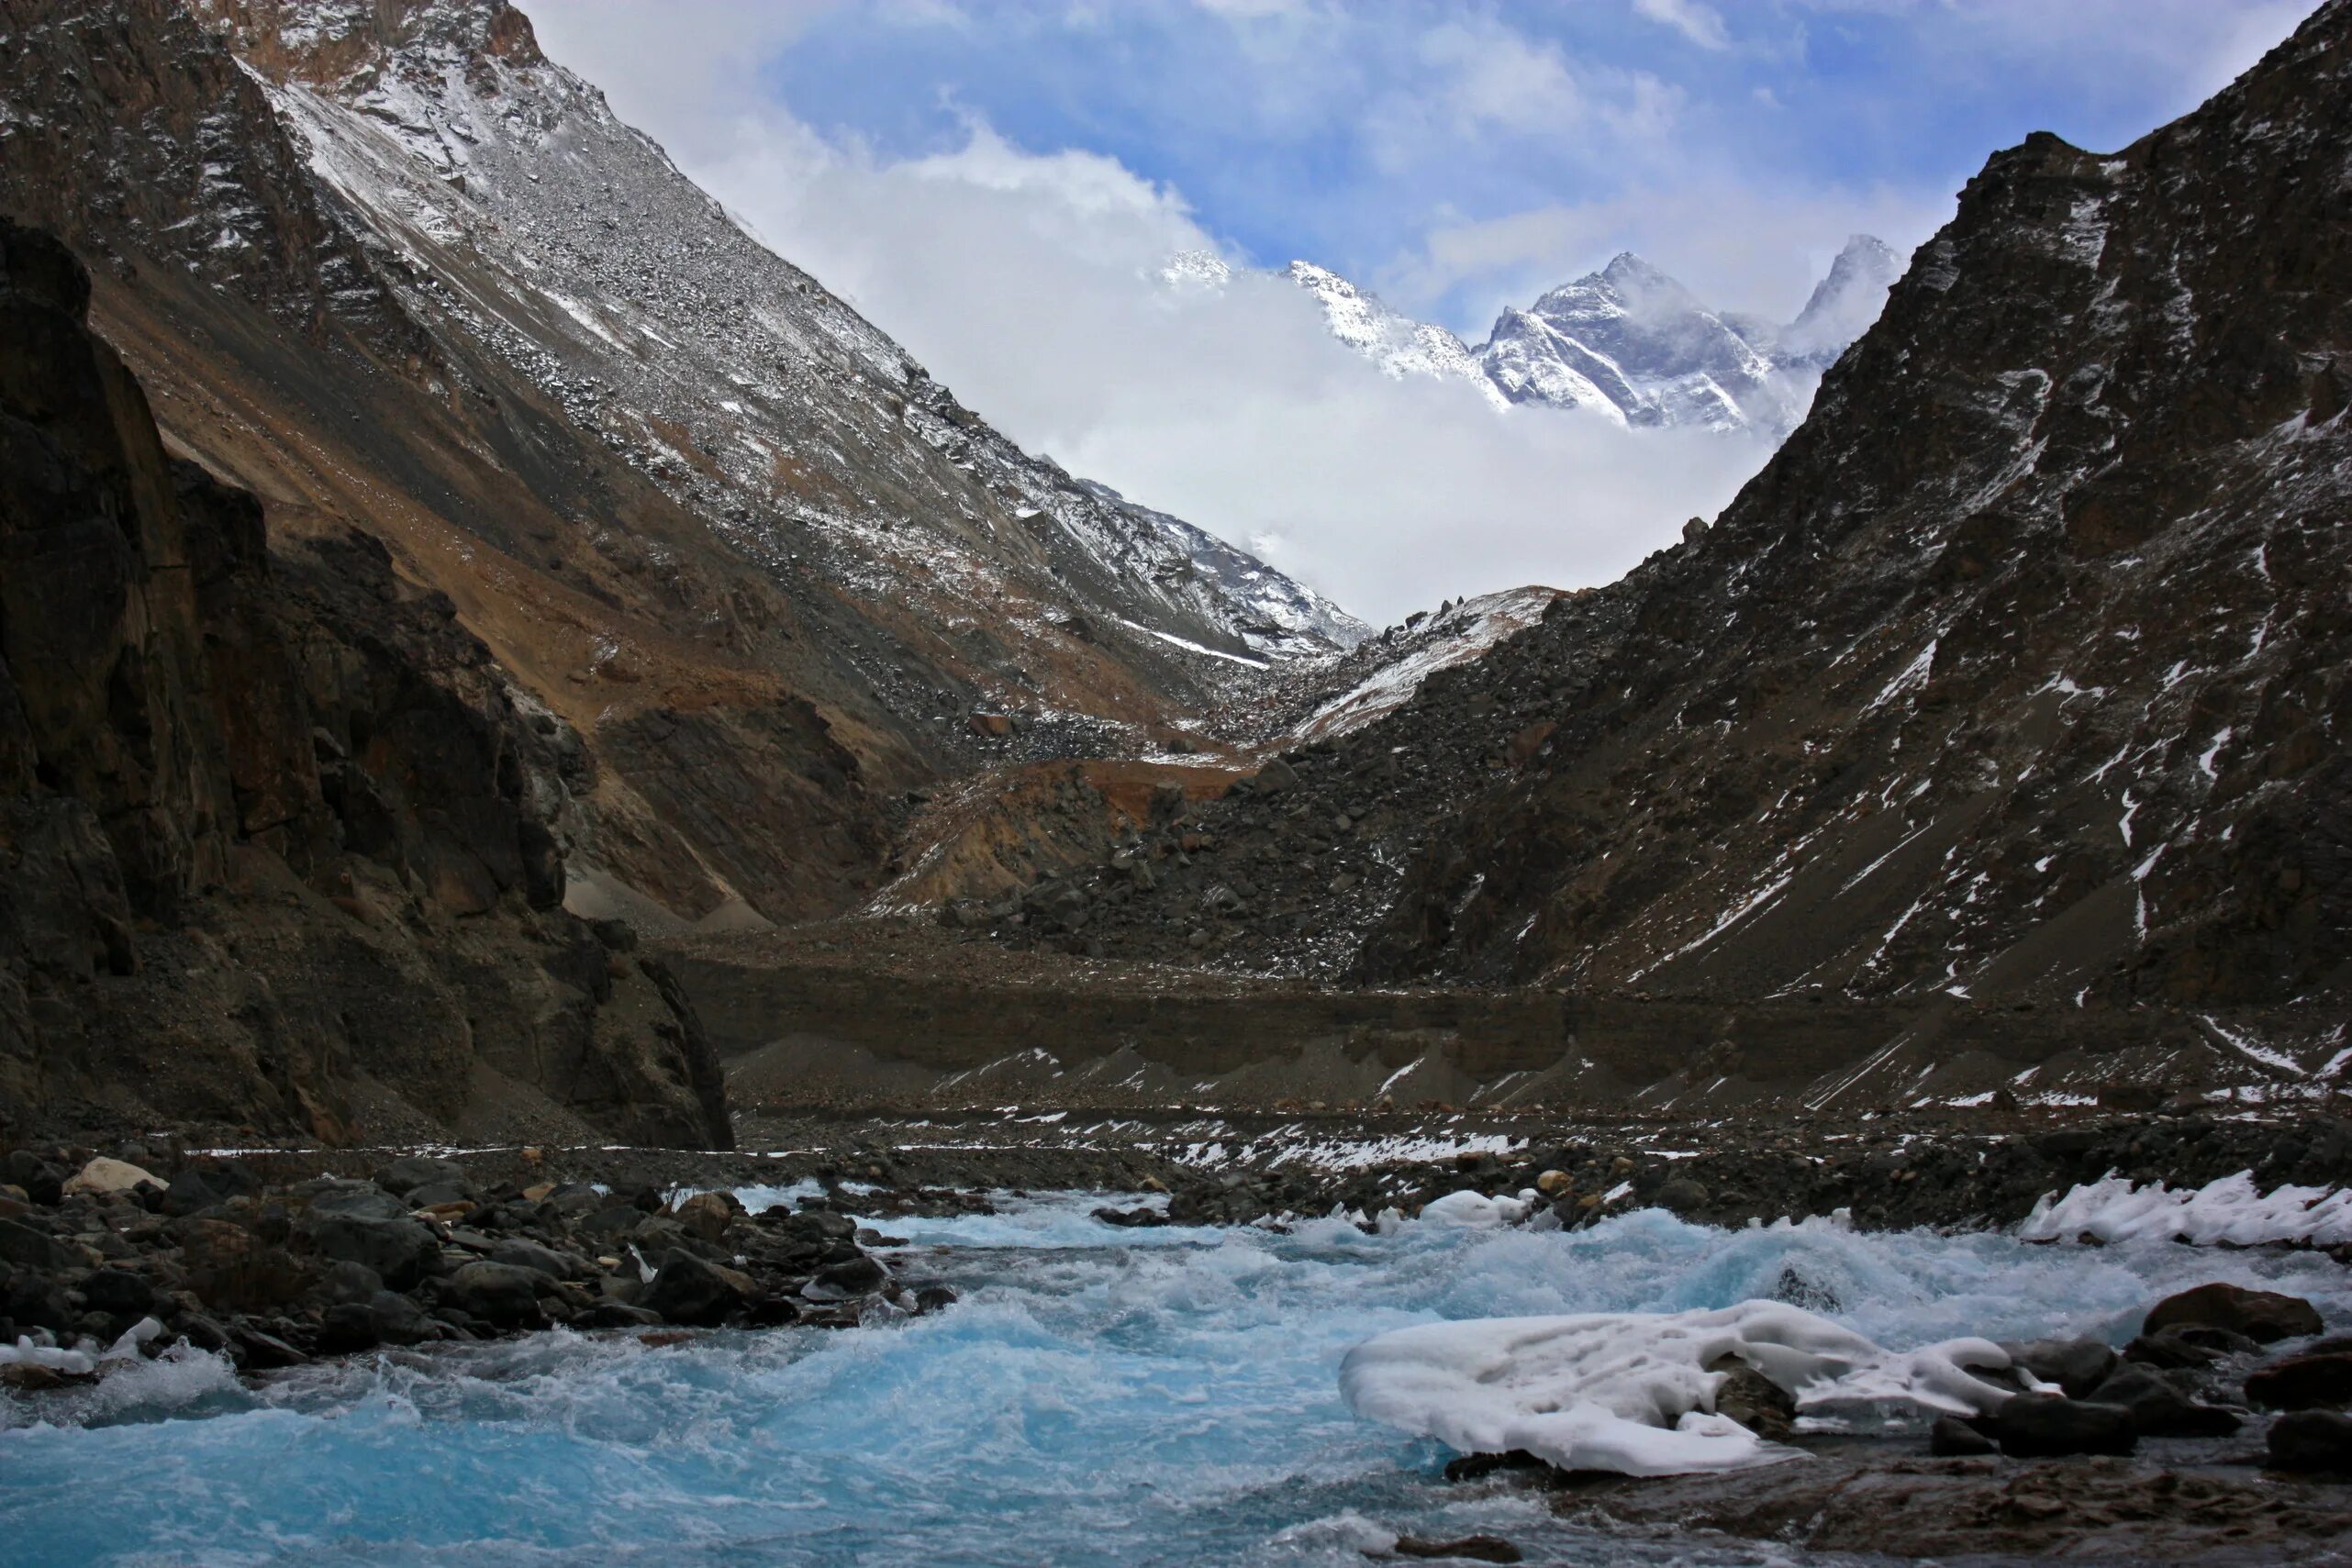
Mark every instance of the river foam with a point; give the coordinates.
(1100, 1396)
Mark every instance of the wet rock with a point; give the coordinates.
(2159, 1409)
(1131, 1219)
(855, 1276)
(2077, 1366)
(256, 1350)
(621, 1314)
(2049, 1426)
(2188, 1345)
(935, 1298)
(689, 1290)
(1682, 1195)
(402, 1251)
(1474, 1547)
(2315, 1442)
(501, 1295)
(1753, 1400)
(2263, 1316)
(2303, 1382)
(383, 1318)
(1951, 1438)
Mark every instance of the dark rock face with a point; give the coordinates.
(268, 822)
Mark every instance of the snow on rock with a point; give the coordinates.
(1476, 1211)
(1630, 1392)
(1389, 338)
(1401, 662)
(2232, 1210)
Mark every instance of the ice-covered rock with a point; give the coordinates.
(1631, 1392)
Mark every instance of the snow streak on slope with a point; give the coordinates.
(500, 193)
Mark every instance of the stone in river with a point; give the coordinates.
(2049, 1426)
(2263, 1316)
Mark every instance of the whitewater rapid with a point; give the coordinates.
(1100, 1396)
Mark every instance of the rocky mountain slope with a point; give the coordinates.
(388, 265)
(277, 840)
(2015, 683)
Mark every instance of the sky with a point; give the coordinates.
(999, 184)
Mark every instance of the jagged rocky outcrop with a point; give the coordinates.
(389, 266)
(276, 842)
(2019, 678)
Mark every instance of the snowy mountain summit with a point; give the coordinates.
(1630, 345)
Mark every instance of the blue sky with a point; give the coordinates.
(1347, 134)
(998, 184)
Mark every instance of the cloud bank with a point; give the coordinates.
(1030, 281)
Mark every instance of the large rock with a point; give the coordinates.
(410, 1172)
(2077, 1366)
(402, 1251)
(27, 1247)
(2316, 1442)
(232, 1269)
(500, 1294)
(688, 1290)
(707, 1215)
(2263, 1316)
(2303, 1382)
(2160, 1409)
(851, 1277)
(103, 1177)
(2047, 1426)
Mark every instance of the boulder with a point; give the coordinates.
(2188, 1345)
(2077, 1366)
(2159, 1407)
(118, 1293)
(1680, 1195)
(402, 1251)
(2313, 1441)
(360, 1200)
(707, 1215)
(1276, 777)
(408, 1172)
(23, 1247)
(1753, 1400)
(2049, 1426)
(498, 1294)
(232, 1269)
(349, 1281)
(2262, 1316)
(383, 1318)
(1951, 1438)
(256, 1350)
(103, 1177)
(2303, 1382)
(855, 1276)
(689, 1290)
(528, 1254)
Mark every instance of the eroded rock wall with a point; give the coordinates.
(277, 850)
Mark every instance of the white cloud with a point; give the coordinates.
(1699, 23)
